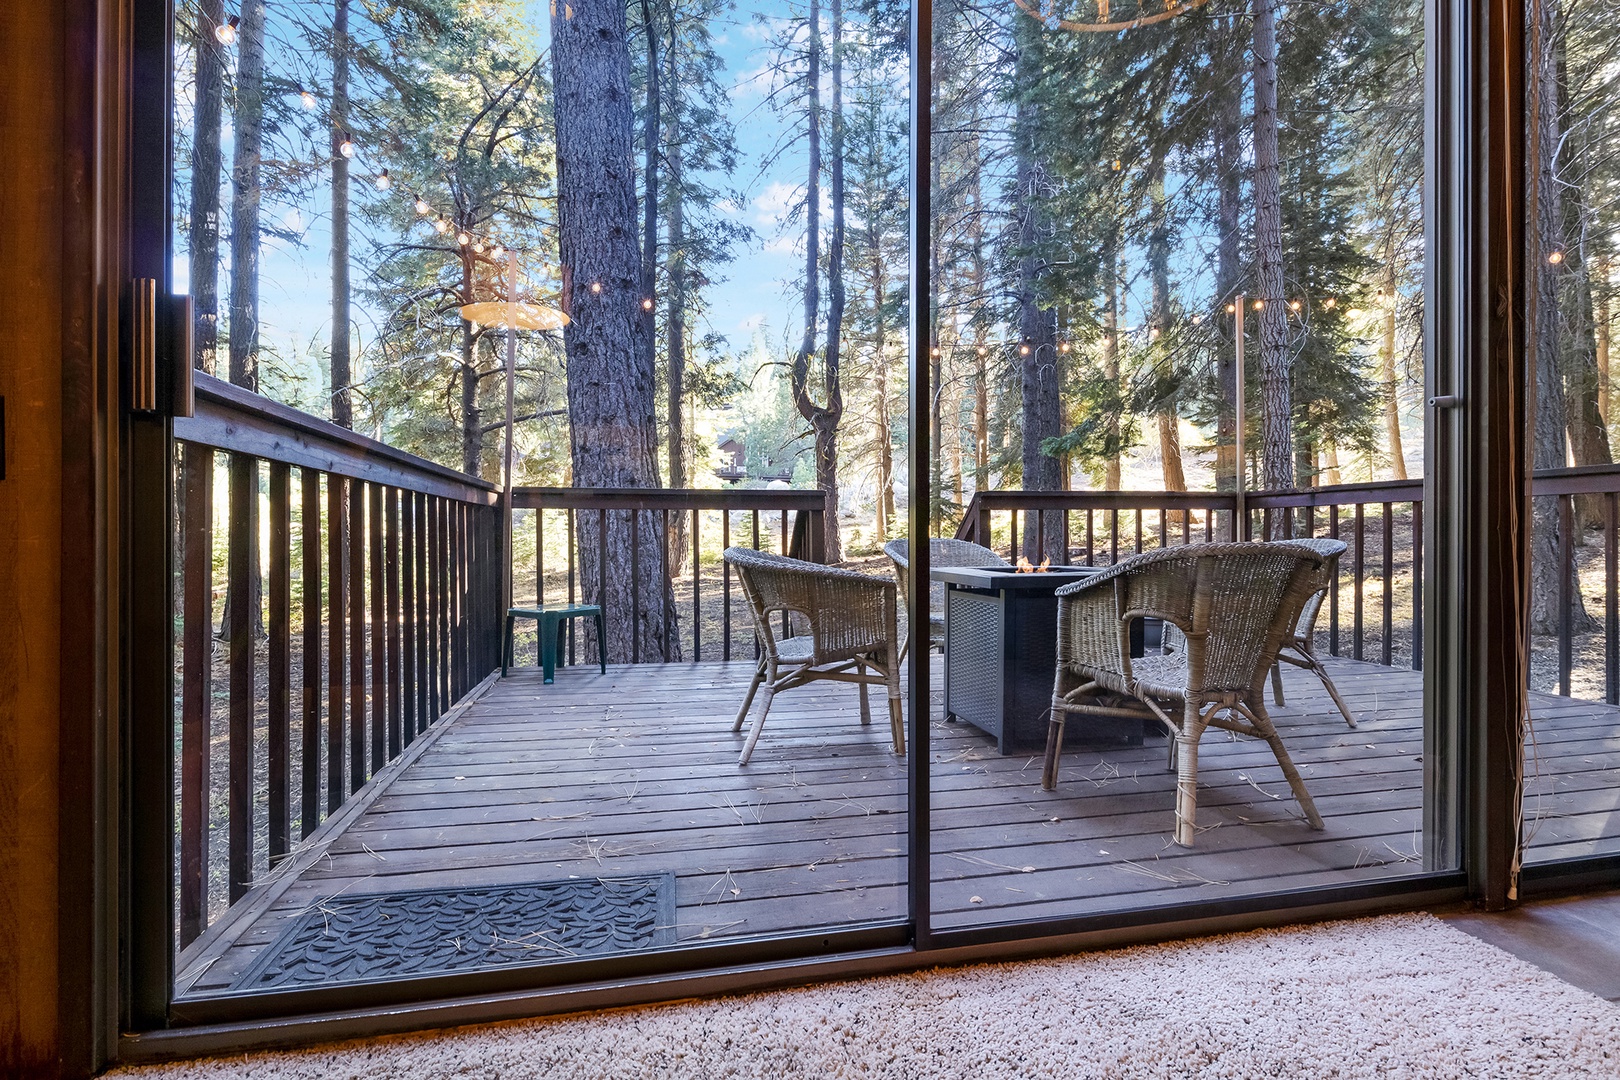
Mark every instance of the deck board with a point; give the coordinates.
(635, 772)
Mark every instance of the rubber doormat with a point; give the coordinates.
(357, 938)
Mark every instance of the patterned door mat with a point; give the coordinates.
(430, 931)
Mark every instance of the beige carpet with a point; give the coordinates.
(1400, 996)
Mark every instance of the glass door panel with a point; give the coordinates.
(1177, 305)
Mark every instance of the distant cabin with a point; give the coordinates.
(733, 464)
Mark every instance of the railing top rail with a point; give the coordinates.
(1379, 491)
(237, 420)
(1105, 500)
(567, 498)
(1581, 480)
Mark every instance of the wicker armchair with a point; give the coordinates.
(1299, 648)
(940, 553)
(1235, 605)
(852, 627)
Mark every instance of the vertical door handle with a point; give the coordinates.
(159, 350)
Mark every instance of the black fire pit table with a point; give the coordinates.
(1001, 656)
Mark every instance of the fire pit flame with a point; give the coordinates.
(1027, 567)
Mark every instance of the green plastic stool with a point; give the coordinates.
(551, 620)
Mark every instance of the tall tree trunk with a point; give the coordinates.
(1110, 356)
(1037, 325)
(649, 197)
(1543, 237)
(203, 236)
(1601, 320)
(611, 387)
(248, 126)
(1175, 479)
(1228, 265)
(676, 448)
(881, 417)
(1276, 432)
(248, 132)
(342, 374)
(823, 419)
(472, 417)
(1330, 470)
(1392, 404)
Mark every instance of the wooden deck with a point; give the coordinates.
(635, 772)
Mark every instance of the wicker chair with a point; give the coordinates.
(1235, 604)
(940, 553)
(852, 627)
(1299, 648)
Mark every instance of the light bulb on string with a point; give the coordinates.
(384, 181)
(346, 147)
(463, 238)
(983, 350)
(441, 226)
(1064, 348)
(308, 100)
(1196, 319)
(596, 288)
(1294, 305)
(934, 351)
(1231, 309)
(422, 207)
(1330, 303)
(478, 247)
(1259, 304)
(497, 252)
(1153, 334)
(1556, 257)
(1023, 350)
(646, 303)
(225, 32)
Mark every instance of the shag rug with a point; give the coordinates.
(1399, 996)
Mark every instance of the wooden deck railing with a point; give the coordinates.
(695, 517)
(379, 611)
(1381, 523)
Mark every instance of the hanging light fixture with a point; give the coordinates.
(308, 100)
(440, 225)
(384, 181)
(346, 145)
(422, 207)
(463, 238)
(225, 32)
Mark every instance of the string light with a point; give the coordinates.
(346, 147)
(384, 181)
(463, 238)
(1258, 304)
(1330, 303)
(1023, 350)
(596, 287)
(498, 252)
(1153, 334)
(225, 32)
(440, 225)
(647, 305)
(1231, 309)
(1063, 347)
(478, 247)
(308, 99)
(1556, 257)
(983, 350)
(1293, 305)
(1196, 319)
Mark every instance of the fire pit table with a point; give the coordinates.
(1001, 656)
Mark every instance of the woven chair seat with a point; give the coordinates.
(1234, 606)
(796, 650)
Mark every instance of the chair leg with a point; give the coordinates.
(897, 716)
(506, 648)
(1186, 740)
(866, 708)
(601, 643)
(1054, 749)
(753, 688)
(759, 721)
(1276, 682)
(1268, 731)
(1333, 691)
